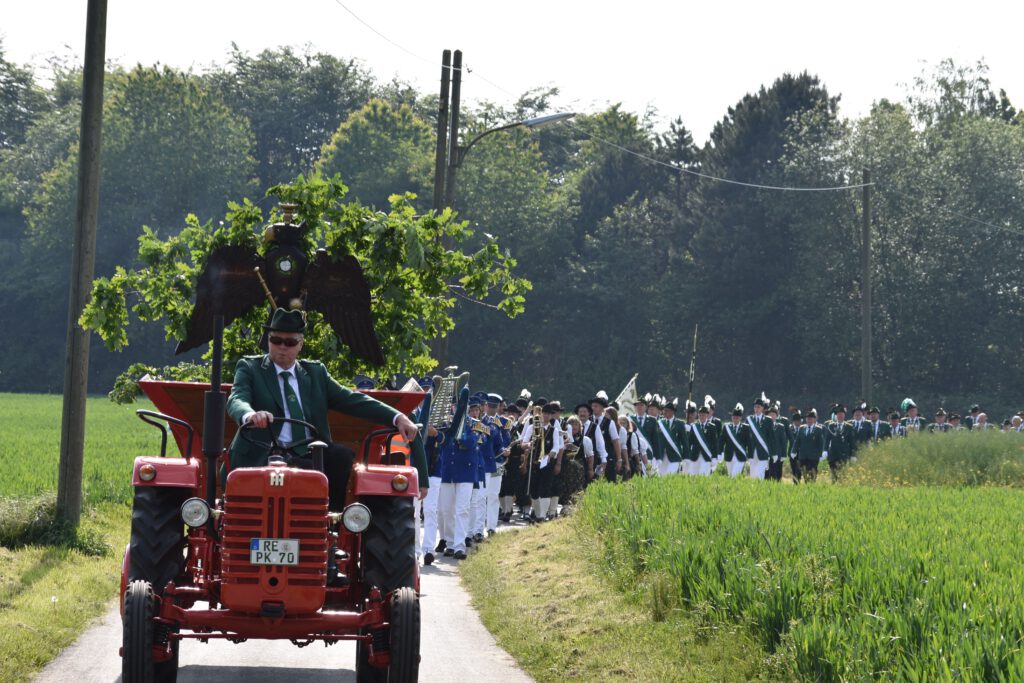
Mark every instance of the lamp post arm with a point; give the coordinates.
(462, 149)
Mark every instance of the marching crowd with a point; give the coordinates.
(494, 455)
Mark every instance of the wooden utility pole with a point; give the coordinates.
(76, 366)
(865, 299)
(441, 152)
(453, 136)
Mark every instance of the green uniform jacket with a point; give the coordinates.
(677, 433)
(839, 440)
(649, 428)
(809, 443)
(863, 434)
(710, 436)
(782, 441)
(884, 430)
(257, 387)
(766, 429)
(913, 426)
(729, 449)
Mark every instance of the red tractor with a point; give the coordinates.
(261, 556)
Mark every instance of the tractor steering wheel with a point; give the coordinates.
(275, 447)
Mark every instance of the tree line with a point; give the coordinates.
(624, 230)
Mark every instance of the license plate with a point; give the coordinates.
(274, 551)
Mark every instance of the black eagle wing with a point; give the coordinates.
(228, 285)
(337, 289)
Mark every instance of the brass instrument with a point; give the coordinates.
(536, 452)
(446, 391)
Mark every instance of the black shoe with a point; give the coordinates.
(490, 532)
(428, 559)
(441, 546)
(459, 555)
(469, 542)
(448, 552)
(478, 538)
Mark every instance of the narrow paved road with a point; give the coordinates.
(455, 647)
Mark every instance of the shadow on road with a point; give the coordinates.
(263, 674)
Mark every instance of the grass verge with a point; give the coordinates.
(49, 593)
(545, 595)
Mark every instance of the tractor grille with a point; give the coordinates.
(255, 509)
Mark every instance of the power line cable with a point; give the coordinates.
(706, 176)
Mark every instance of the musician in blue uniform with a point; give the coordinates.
(459, 470)
(501, 433)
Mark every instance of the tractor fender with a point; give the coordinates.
(175, 472)
(375, 480)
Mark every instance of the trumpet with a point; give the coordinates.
(536, 453)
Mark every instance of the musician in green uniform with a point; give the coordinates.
(839, 440)
(734, 442)
(809, 447)
(780, 442)
(672, 433)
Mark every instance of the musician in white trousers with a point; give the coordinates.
(501, 432)
(459, 471)
(760, 438)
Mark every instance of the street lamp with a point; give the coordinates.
(459, 155)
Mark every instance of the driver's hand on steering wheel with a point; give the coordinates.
(261, 418)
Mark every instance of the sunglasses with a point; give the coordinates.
(284, 341)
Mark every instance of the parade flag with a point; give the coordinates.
(627, 397)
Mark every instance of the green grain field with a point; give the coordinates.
(834, 582)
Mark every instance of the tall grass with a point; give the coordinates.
(839, 583)
(964, 458)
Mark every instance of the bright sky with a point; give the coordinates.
(688, 60)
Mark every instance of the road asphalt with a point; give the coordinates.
(455, 646)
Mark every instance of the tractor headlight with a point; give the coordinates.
(356, 518)
(195, 512)
(400, 482)
(147, 472)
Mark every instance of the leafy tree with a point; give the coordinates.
(746, 250)
(21, 101)
(381, 150)
(293, 101)
(410, 274)
(169, 145)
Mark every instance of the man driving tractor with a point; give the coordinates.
(278, 383)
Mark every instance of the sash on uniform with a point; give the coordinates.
(757, 433)
(703, 444)
(671, 441)
(735, 441)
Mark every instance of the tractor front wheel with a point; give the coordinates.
(139, 637)
(405, 637)
(389, 544)
(156, 548)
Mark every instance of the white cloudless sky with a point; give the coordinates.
(684, 59)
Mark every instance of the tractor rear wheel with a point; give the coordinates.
(389, 544)
(405, 637)
(158, 536)
(139, 636)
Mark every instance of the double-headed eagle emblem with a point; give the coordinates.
(236, 278)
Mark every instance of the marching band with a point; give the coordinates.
(488, 456)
